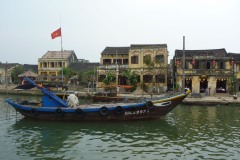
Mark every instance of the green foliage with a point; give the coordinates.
(231, 83)
(110, 78)
(68, 72)
(17, 70)
(177, 88)
(86, 77)
(149, 62)
(131, 77)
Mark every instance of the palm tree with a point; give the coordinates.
(131, 78)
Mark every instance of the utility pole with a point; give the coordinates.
(183, 65)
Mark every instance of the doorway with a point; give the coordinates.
(221, 85)
(188, 83)
(203, 85)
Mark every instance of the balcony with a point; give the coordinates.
(207, 72)
(113, 67)
(50, 69)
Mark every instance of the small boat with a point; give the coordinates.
(110, 96)
(54, 108)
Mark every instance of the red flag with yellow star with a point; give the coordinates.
(56, 33)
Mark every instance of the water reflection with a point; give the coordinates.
(188, 132)
(56, 139)
(209, 132)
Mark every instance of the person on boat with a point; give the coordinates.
(72, 100)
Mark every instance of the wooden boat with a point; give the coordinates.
(54, 108)
(110, 96)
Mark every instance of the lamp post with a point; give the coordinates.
(183, 65)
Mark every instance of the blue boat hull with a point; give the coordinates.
(55, 108)
(109, 112)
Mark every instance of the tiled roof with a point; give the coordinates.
(142, 46)
(83, 66)
(58, 54)
(208, 52)
(235, 56)
(28, 74)
(31, 67)
(115, 50)
(8, 65)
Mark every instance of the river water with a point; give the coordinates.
(187, 132)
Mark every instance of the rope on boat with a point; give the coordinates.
(5, 108)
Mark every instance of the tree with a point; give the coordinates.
(17, 70)
(68, 73)
(131, 78)
(86, 77)
(232, 85)
(110, 78)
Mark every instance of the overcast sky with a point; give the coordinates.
(88, 26)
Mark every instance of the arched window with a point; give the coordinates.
(134, 59)
(159, 58)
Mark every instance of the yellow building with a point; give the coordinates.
(236, 66)
(206, 71)
(51, 64)
(133, 58)
(5, 72)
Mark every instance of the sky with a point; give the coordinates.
(88, 26)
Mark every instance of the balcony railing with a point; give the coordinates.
(113, 66)
(207, 71)
(50, 69)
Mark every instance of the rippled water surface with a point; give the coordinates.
(188, 132)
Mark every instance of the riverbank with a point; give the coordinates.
(224, 99)
(215, 99)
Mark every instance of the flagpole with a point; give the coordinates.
(62, 56)
(61, 47)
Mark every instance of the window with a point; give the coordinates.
(52, 64)
(134, 59)
(147, 78)
(159, 58)
(160, 78)
(125, 61)
(60, 64)
(44, 64)
(106, 61)
(119, 61)
(147, 59)
(208, 65)
(221, 65)
(196, 65)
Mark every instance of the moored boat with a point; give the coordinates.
(54, 108)
(112, 95)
